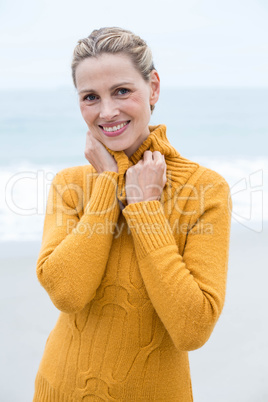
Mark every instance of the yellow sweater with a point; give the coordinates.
(137, 287)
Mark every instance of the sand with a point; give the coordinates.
(231, 367)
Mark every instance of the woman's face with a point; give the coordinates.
(115, 100)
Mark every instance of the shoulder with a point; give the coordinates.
(199, 173)
(74, 184)
(75, 174)
(186, 172)
(212, 189)
(201, 183)
(210, 176)
(206, 194)
(208, 184)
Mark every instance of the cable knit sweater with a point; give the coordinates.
(137, 286)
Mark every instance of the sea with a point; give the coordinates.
(42, 132)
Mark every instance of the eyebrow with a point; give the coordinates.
(114, 86)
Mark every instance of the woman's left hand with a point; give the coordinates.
(145, 180)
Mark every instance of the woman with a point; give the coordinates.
(135, 245)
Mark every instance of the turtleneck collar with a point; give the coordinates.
(156, 141)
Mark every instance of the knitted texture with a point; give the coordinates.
(136, 289)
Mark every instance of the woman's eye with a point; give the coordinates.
(123, 91)
(90, 97)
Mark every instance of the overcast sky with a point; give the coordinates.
(194, 42)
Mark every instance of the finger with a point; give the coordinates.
(147, 156)
(157, 156)
(165, 174)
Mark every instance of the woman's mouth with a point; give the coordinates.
(113, 131)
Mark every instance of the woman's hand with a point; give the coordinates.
(98, 156)
(145, 180)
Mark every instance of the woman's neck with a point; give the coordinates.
(131, 150)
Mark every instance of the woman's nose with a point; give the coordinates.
(108, 110)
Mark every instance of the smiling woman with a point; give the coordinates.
(135, 246)
(115, 100)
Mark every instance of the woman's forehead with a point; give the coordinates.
(107, 68)
(107, 61)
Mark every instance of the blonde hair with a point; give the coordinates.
(115, 40)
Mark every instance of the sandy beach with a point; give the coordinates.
(231, 367)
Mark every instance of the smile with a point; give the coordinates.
(112, 131)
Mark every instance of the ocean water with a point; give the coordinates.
(42, 132)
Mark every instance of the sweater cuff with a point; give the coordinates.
(103, 201)
(149, 227)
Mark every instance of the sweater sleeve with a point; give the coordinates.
(187, 291)
(70, 265)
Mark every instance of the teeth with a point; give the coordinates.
(115, 128)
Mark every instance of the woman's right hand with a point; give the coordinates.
(98, 156)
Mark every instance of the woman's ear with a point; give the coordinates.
(155, 87)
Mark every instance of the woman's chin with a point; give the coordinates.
(115, 147)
